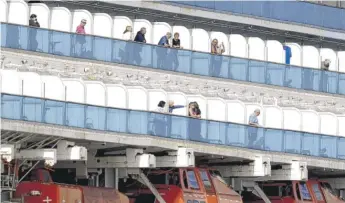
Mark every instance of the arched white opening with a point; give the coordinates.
(10, 82)
(310, 57)
(236, 112)
(296, 52)
(200, 40)
(43, 14)
(256, 48)
(120, 24)
(58, 15)
(216, 109)
(160, 29)
(273, 117)
(292, 118)
(75, 90)
(102, 25)
(155, 96)
(275, 51)
(137, 98)
(238, 46)
(341, 125)
(179, 99)
(329, 123)
(138, 24)
(53, 87)
(95, 93)
(250, 108)
(341, 61)
(117, 96)
(185, 36)
(18, 12)
(32, 85)
(201, 102)
(326, 53)
(3, 11)
(221, 37)
(310, 121)
(78, 15)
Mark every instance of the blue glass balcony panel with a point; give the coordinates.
(290, 11)
(170, 126)
(156, 57)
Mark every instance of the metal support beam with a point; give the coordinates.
(154, 191)
(183, 157)
(251, 186)
(260, 167)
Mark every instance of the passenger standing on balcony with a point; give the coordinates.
(81, 27)
(33, 21)
(176, 43)
(80, 38)
(140, 37)
(160, 124)
(252, 129)
(172, 106)
(216, 61)
(162, 52)
(137, 48)
(126, 54)
(33, 32)
(127, 34)
(194, 127)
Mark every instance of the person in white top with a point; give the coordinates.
(217, 48)
(126, 53)
(127, 34)
(216, 59)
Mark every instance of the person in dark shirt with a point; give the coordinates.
(176, 43)
(33, 21)
(140, 37)
(33, 44)
(137, 48)
(194, 126)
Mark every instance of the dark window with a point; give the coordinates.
(185, 181)
(272, 191)
(192, 180)
(317, 192)
(298, 192)
(206, 180)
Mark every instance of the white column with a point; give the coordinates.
(109, 177)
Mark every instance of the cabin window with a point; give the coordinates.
(206, 180)
(304, 191)
(272, 191)
(192, 180)
(317, 192)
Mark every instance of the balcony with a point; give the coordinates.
(190, 62)
(289, 11)
(127, 121)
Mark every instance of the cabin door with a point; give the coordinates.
(192, 190)
(317, 191)
(211, 195)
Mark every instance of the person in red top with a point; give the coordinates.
(81, 27)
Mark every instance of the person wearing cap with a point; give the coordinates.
(81, 27)
(253, 131)
(33, 21)
(33, 43)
